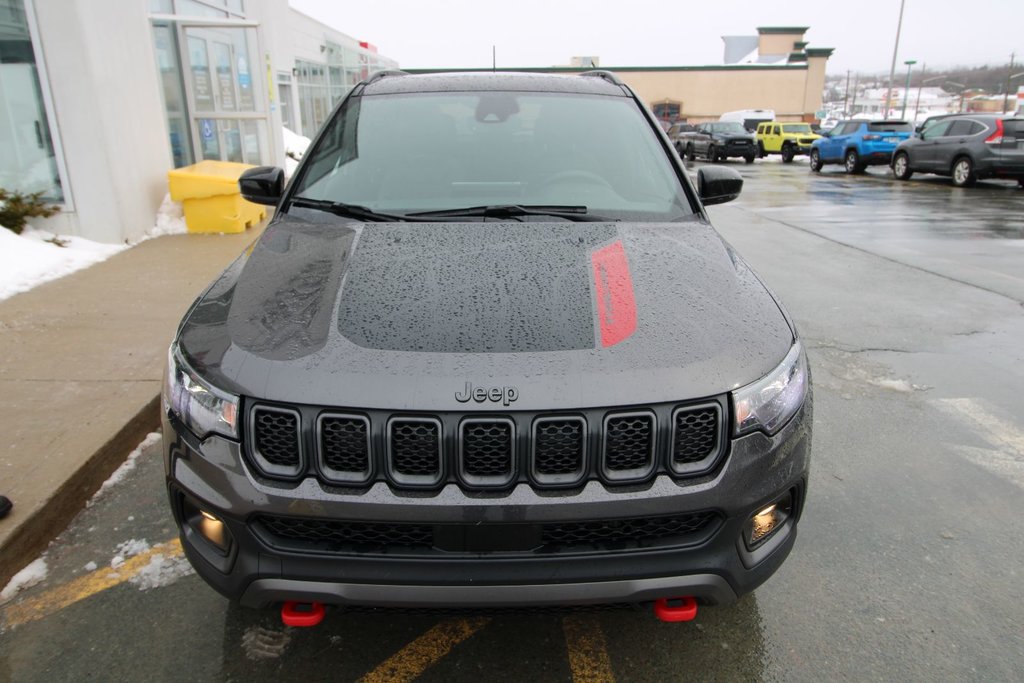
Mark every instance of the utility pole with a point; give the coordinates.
(846, 93)
(853, 104)
(494, 58)
(892, 69)
(920, 84)
(1009, 72)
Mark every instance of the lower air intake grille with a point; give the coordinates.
(276, 435)
(637, 530)
(318, 535)
(337, 535)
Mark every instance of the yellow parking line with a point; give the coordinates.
(588, 651)
(81, 588)
(412, 660)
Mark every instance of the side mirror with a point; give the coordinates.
(718, 185)
(262, 185)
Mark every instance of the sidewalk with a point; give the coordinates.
(81, 363)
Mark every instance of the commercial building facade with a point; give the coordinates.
(100, 98)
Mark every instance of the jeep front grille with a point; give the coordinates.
(481, 451)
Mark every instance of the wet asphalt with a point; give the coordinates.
(909, 559)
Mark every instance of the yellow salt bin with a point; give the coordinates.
(208, 192)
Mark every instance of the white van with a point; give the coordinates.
(749, 117)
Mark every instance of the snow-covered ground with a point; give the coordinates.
(35, 257)
(34, 573)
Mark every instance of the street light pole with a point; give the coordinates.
(1009, 77)
(892, 69)
(962, 88)
(906, 88)
(917, 107)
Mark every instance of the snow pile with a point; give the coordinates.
(170, 220)
(127, 466)
(161, 571)
(27, 577)
(126, 549)
(37, 256)
(295, 146)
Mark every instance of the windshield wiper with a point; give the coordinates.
(348, 210)
(569, 213)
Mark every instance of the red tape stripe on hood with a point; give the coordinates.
(616, 306)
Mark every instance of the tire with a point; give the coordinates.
(760, 150)
(690, 154)
(712, 153)
(816, 162)
(852, 162)
(901, 166)
(749, 158)
(963, 172)
(788, 153)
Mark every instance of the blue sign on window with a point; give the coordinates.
(206, 129)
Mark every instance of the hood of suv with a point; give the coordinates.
(405, 315)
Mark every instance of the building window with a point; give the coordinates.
(667, 110)
(27, 159)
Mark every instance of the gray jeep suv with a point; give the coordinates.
(489, 352)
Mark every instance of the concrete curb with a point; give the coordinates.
(34, 533)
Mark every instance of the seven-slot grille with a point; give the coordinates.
(482, 451)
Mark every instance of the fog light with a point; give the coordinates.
(207, 525)
(767, 521)
(212, 530)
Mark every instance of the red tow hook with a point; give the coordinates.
(302, 613)
(675, 609)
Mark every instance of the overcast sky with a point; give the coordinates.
(460, 33)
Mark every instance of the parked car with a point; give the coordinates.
(785, 139)
(679, 133)
(717, 141)
(590, 399)
(859, 144)
(966, 147)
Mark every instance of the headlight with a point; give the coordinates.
(771, 401)
(202, 408)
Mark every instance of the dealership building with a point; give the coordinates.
(100, 98)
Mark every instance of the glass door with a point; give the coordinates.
(228, 120)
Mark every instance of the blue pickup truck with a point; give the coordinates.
(859, 144)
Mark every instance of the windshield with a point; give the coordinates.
(405, 153)
(891, 126)
(728, 127)
(797, 128)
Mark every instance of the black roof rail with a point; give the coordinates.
(384, 74)
(605, 74)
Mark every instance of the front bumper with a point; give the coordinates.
(715, 568)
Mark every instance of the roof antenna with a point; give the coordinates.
(494, 58)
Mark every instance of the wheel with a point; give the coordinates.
(853, 162)
(963, 172)
(901, 167)
(749, 158)
(690, 154)
(816, 162)
(788, 153)
(712, 153)
(760, 150)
